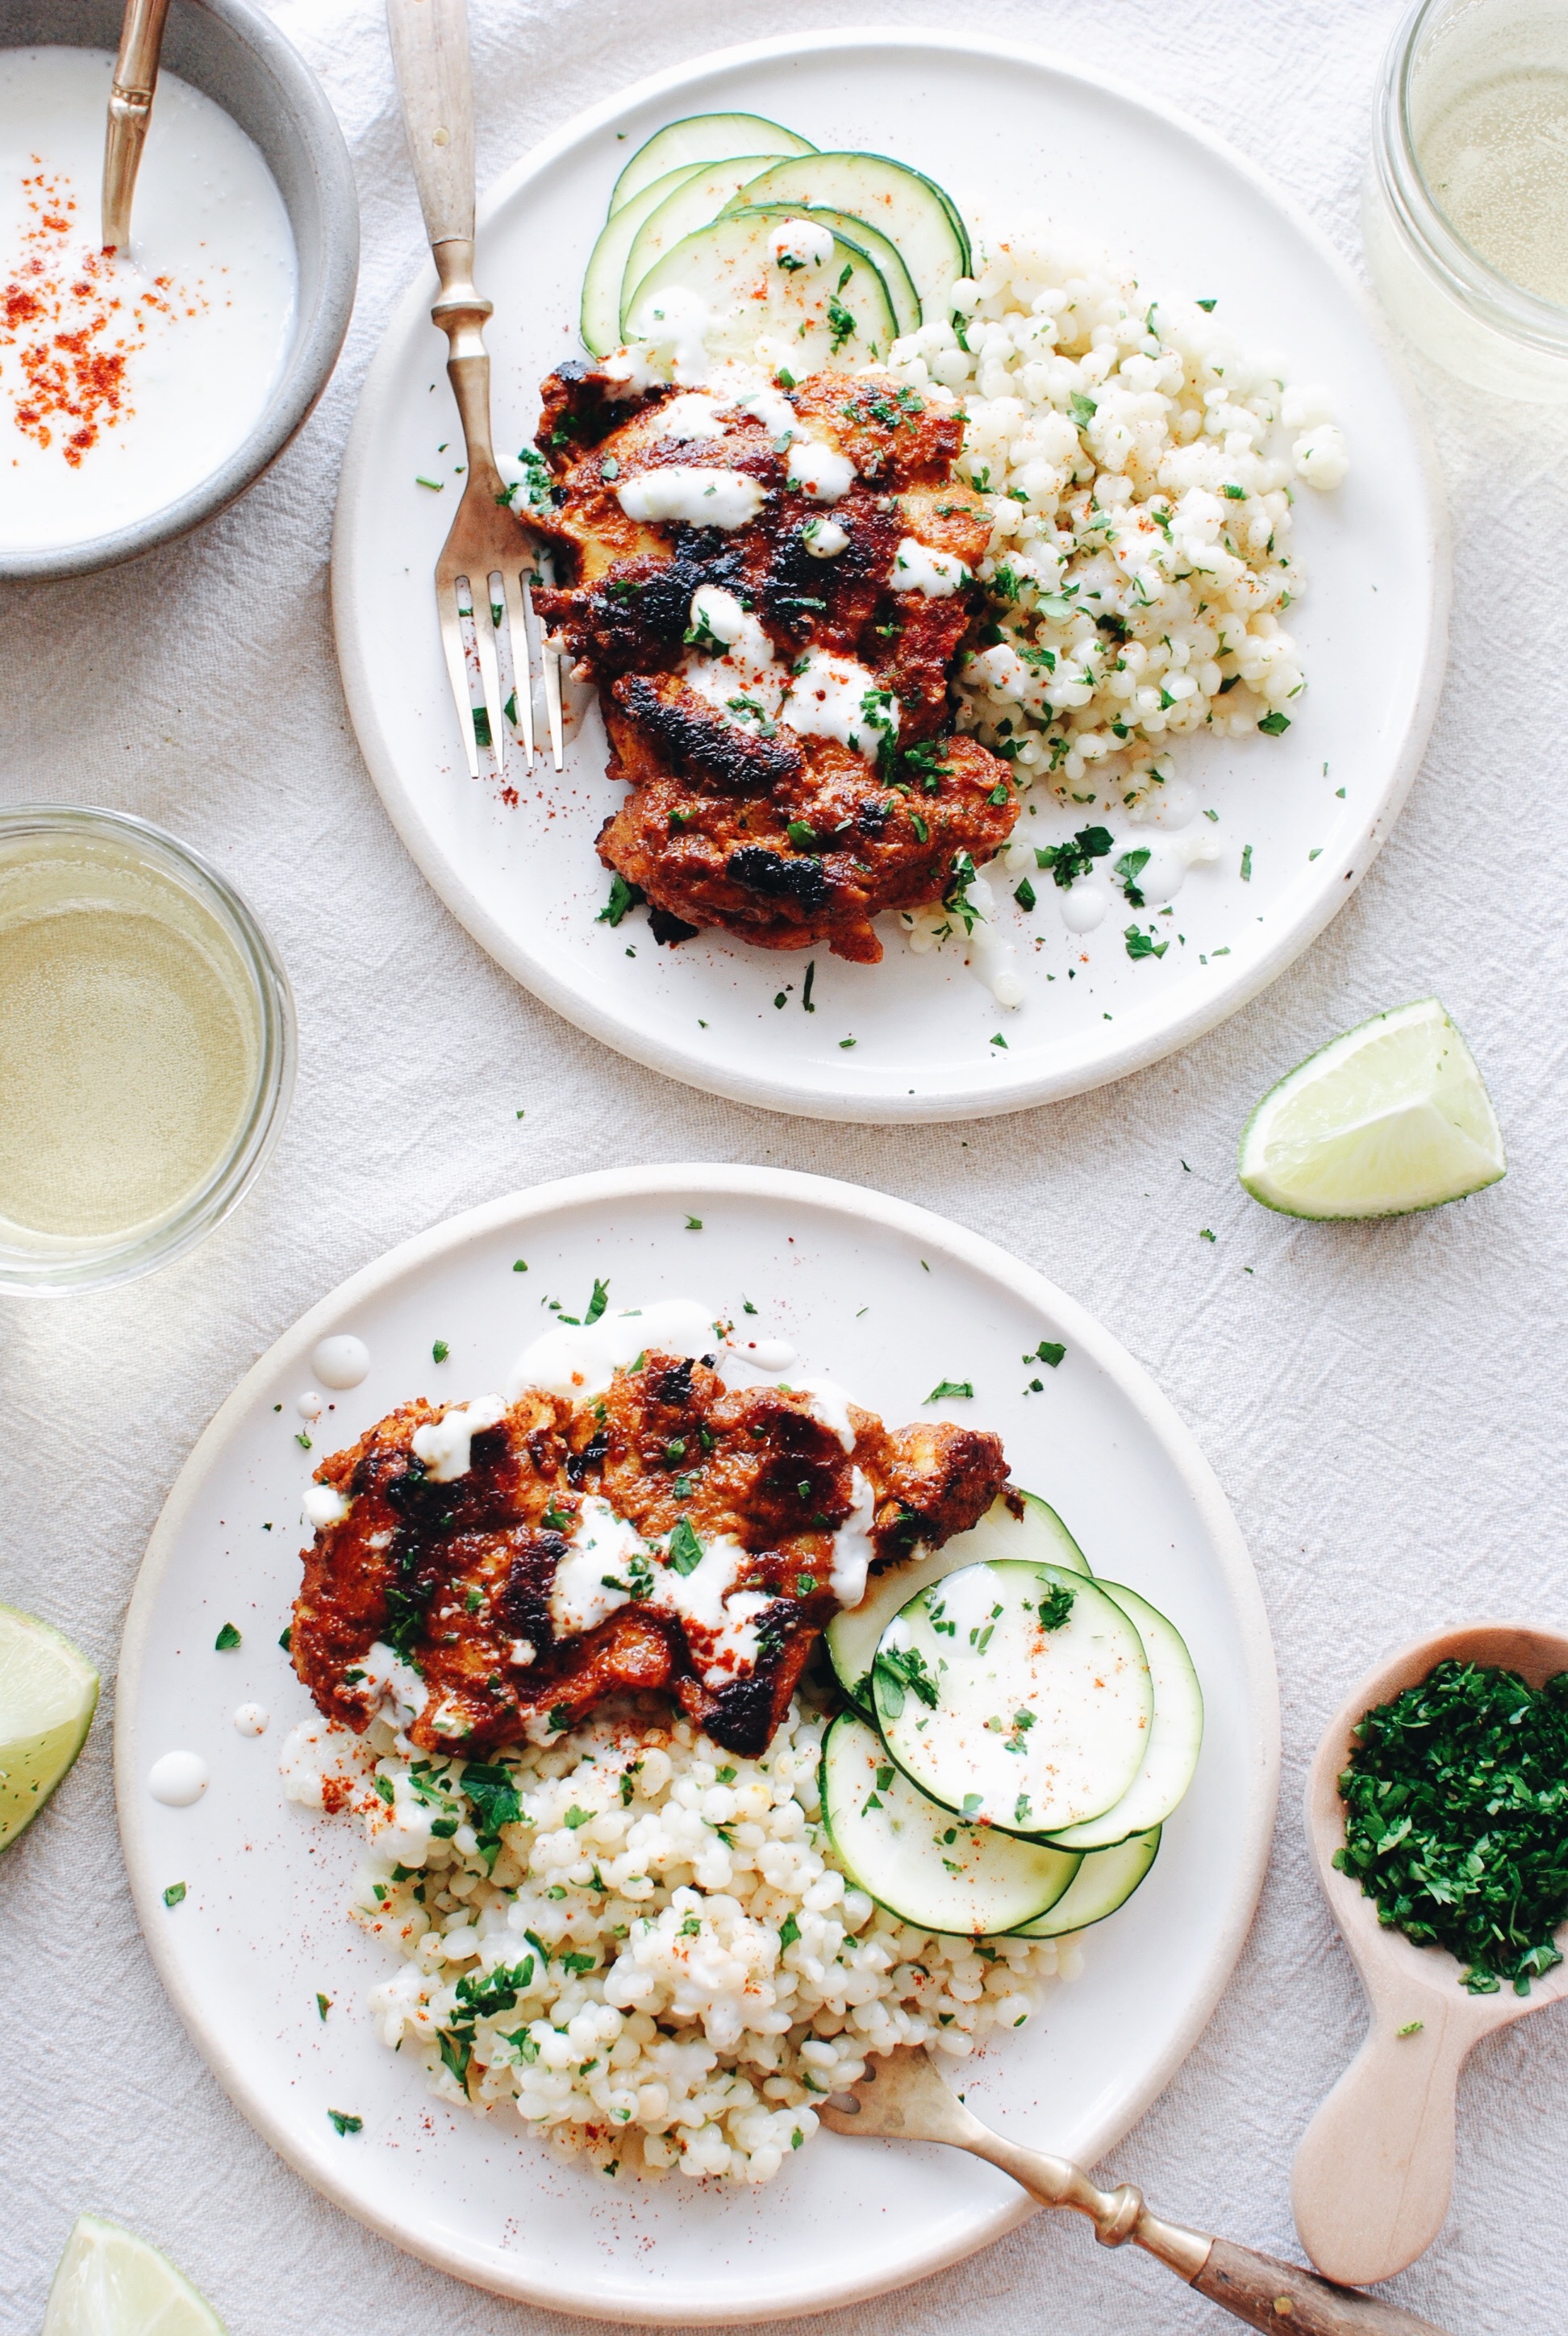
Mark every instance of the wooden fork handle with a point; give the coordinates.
(435, 81)
(1267, 2293)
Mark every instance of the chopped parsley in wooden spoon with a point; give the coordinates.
(1457, 1819)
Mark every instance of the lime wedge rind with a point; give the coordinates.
(48, 1695)
(1388, 1119)
(109, 2283)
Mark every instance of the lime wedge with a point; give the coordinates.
(1392, 1116)
(48, 1692)
(109, 2283)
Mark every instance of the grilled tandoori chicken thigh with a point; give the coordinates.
(770, 589)
(669, 1534)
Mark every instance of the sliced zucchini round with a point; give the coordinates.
(694, 203)
(834, 314)
(887, 255)
(910, 211)
(1174, 1741)
(916, 1858)
(703, 138)
(1033, 1531)
(1018, 1695)
(1105, 1880)
(605, 268)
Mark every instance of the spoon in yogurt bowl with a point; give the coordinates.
(130, 111)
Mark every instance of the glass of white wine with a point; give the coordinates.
(1465, 206)
(147, 1049)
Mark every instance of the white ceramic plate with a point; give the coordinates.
(525, 878)
(889, 1299)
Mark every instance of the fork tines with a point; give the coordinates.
(533, 657)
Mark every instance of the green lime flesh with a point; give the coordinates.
(48, 1693)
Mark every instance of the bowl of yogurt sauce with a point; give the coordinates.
(142, 392)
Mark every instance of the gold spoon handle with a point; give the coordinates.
(130, 110)
(1257, 2288)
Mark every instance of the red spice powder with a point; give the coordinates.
(72, 326)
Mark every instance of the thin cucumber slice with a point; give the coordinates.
(605, 268)
(878, 248)
(910, 211)
(1174, 1740)
(915, 1857)
(835, 312)
(703, 138)
(1390, 1118)
(695, 203)
(1018, 1695)
(1105, 1880)
(1032, 1531)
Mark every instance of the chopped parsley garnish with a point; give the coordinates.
(440, 1351)
(1246, 865)
(897, 1669)
(1457, 1819)
(576, 1816)
(597, 1302)
(1273, 725)
(175, 1894)
(285, 1639)
(1129, 868)
(943, 1389)
(685, 1550)
(1055, 1607)
(1049, 1350)
(1084, 409)
(1024, 894)
(840, 322)
(622, 897)
(1068, 861)
(323, 2006)
(693, 1224)
(482, 725)
(341, 2122)
(1142, 944)
(226, 1638)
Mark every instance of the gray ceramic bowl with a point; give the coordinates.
(234, 56)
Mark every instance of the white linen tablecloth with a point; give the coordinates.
(1384, 1404)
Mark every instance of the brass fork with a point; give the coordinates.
(488, 544)
(903, 2098)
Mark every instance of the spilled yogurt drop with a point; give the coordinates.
(309, 1406)
(824, 539)
(763, 1354)
(1083, 905)
(251, 1718)
(324, 1505)
(341, 1361)
(581, 1359)
(178, 1779)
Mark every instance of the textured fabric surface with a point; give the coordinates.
(1383, 1403)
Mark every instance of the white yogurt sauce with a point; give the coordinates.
(601, 1543)
(324, 1505)
(699, 498)
(802, 241)
(251, 1718)
(444, 1444)
(830, 1403)
(720, 1621)
(575, 1360)
(178, 1779)
(918, 568)
(853, 1547)
(392, 1682)
(828, 698)
(746, 683)
(773, 409)
(1084, 904)
(824, 539)
(667, 330)
(820, 471)
(695, 415)
(196, 322)
(341, 1362)
(763, 1354)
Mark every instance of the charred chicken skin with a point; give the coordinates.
(671, 1535)
(787, 806)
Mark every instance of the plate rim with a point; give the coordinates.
(678, 1061)
(716, 1181)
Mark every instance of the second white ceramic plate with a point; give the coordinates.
(890, 1300)
(519, 867)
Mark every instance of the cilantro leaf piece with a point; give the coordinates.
(684, 1549)
(343, 2122)
(957, 1389)
(226, 1638)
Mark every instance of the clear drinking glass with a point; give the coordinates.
(147, 1049)
(1466, 186)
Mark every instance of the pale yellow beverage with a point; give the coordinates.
(130, 1041)
(1495, 160)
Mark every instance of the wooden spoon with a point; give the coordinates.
(1374, 2172)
